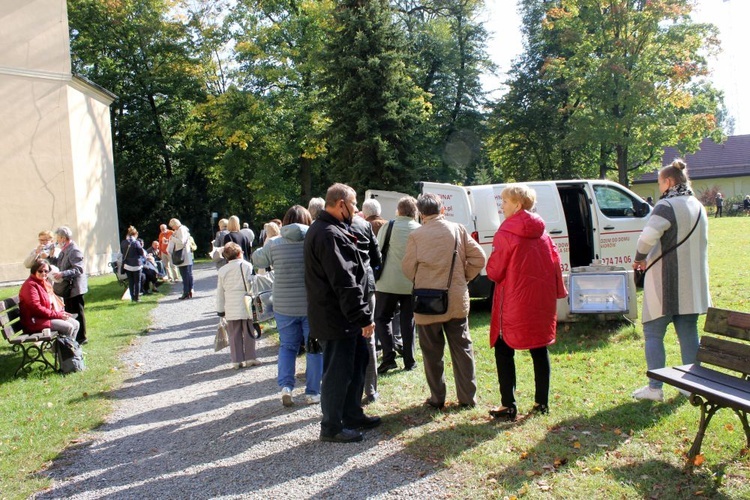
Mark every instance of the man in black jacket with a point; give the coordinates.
(339, 315)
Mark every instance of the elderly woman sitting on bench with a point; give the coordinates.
(40, 308)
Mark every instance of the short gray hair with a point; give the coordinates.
(65, 232)
(316, 206)
(429, 204)
(371, 207)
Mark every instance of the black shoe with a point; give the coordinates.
(345, 436)
(408, 368)
(399, 350)
(540, 409)
(82, 342)
(364, 423)
(385, 366)
(437, 406)
(370, 398)
(183, 297)
(501, 413)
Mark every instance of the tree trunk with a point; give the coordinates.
(160, 138)
(622, 164)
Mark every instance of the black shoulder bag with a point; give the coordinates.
(641, 275)
(432, 301)
(378, 271)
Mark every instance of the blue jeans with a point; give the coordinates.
(686, 326)
(344, 364)
(186, 273)
(293, 332)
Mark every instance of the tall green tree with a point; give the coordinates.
(447, 47)
(132, 48)
(636, 73)
(377, 112)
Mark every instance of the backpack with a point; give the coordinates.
(69, 355)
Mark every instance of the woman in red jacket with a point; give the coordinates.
(525, 267)
(40, 308)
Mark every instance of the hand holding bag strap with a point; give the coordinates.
(677, 245)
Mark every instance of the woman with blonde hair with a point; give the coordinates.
(180, 241)
(236, 236)
(234, 281)
(525, 267)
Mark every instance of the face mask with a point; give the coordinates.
(347, 218)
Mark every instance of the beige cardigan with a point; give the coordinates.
(427, 263)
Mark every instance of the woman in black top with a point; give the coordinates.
(236, 236)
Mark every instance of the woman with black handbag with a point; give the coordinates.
(182, 256)
(673, 247)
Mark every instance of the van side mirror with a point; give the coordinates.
(643, 209)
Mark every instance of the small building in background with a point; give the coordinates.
(723, 168)
(56, 166)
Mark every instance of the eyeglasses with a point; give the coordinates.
(45, 271)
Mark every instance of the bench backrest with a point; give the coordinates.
(10, 317)
(726, 353)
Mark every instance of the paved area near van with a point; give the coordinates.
(187, 426)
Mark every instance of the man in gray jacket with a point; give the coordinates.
(71, 282)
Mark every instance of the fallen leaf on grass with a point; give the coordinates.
(698, 493)
(597, 469)
(524, 455)
(531, 473)
(617, 431)
(577, 445)
(729, 427)
(559, 462)
(698, 460)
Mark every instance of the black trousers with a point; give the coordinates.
(386, 305)
(506, 373)
(344, 364)
(74, 305)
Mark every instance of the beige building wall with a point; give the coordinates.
(56, 164)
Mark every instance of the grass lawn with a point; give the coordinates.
(44, 412)
(596, 442)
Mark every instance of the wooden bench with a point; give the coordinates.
(711, 389)
(33, 346)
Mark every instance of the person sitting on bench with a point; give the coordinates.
(40, 308)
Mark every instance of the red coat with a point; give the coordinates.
(525, 267)
(35, 306)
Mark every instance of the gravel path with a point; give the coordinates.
(186, 426)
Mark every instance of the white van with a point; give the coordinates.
(590, 221)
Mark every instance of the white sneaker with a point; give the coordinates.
(312, 399)
(647, 392)
(286, 396)
(236, 366)
(252, 362)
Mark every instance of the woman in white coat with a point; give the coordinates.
(234, 282)
(674, 245)
(180, 241)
